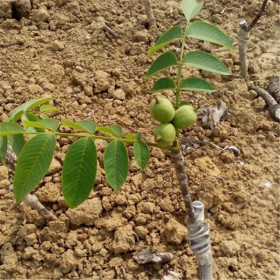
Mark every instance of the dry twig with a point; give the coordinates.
(212, 115)
(149, 12)
(273, 106)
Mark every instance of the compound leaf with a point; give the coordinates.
(142, 153)
(205, 31)
(33, 163)
(3, 148)
(163, 84)
(10, 128)
(191, 8)
(87, 126)
(49, 124)
(79, 171)
(17, 142)
(30, 104)
(205, 61)
(114, 130)
(196, 84)
(48, 108)
(172, 34)
(116, 164)
(166, 60)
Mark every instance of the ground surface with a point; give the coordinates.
(62, 51)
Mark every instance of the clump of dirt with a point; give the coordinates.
(60, 48)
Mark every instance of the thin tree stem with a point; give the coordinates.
(178, 159)
(257, 17)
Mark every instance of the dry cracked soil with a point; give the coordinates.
(59, 48)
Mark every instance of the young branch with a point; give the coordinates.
(243, 38)
(257, 17)
(178, 159)
(273, 106)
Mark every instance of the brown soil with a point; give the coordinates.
(62, 50)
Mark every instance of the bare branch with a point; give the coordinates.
(257, 17)
(149, 12)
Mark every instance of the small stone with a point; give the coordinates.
(31, 239)
(5, 9)
(41, 15)
(58, 45)
(141, 231)
(124, 240)
(69, 261)
(54, 167)
(230, 247)
(119, 94)
(146, 207)
(4, 172)
(34, 89)
(85, 213)
(157, 153)
(57, 73)
(175, 232)
(141, 36)
(227, 157)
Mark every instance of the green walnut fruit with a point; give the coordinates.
(162, 109)
(184, 117)
(165, 134)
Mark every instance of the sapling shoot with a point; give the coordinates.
(35, 151)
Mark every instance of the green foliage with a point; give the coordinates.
(172, 34)
(162, 84)
(87, 126)
(163, 62)
(199, 30)
(208, 32)
(3, 148)
(196, 84)
(205, 61)
(33, 163)
(191, 8)
(17, 142)
(142, 153)
(79, 171)
(31, 132)
(114, 130)
(116, 164)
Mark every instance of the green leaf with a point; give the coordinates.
(48, 108)
(133, 136)
(30, 117)
(191, 8)
(204, 31)
(142, 153)
(10, 128)
(166, 60)
(49, 124)
(116, 164)
(87, 126)
(17, 142)
(30, 104)
(196, 84)
(205, 61)
(163, 84)
(114, 130)
(79, 171)
(172, 34)
(33, 163)
(3, 148)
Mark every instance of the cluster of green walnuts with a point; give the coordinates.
(171, 120)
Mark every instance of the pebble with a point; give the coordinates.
(41, 15)
(57, 45)
(119, 94)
